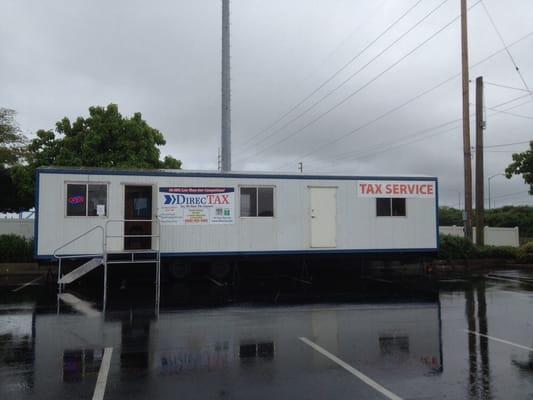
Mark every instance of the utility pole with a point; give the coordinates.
(466, 124)
(226, 91)
(480, 176)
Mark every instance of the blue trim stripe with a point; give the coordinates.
(36, 224)
(103, 171)
(437, 233)
(278, 252)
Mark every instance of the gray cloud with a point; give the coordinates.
(163, 59)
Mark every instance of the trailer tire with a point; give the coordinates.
(220, 270)
(179, 270)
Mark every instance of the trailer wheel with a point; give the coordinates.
(179, 269)
(220, 270)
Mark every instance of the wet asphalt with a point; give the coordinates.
(272, 338)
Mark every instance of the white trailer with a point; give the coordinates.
(184, 214)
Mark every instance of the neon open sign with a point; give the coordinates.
(75, 200)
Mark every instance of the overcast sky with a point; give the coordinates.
(162, 58)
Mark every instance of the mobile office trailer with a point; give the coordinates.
(184, 214)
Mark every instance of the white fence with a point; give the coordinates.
(493, 236)
(21, 227)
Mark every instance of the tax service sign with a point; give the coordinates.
(196, 205)
(405, 189)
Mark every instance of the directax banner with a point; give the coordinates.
(196, 205)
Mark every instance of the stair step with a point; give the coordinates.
(81, 270)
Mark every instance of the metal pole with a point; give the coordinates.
(480, 179)
(466, 123)
(490, 178)
(489, 191)
(104, 254)
(226, 91)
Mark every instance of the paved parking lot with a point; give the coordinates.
(466, 339)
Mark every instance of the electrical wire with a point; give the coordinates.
(382, 147)
(351, 76)
(320, 116)
(506, 144)
(511, 114)
(506, 86)
(493, 23)
(334, 75)
(411, 100)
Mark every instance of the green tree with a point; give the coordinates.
(522, 165)
(12, 150)
(103, 139)
(12, 141)
(449, 216)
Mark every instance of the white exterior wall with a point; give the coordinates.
(358, 228)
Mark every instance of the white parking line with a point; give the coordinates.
(513, 280)
(370, 382)
(499, 340)
(26, 284)
(101, 382)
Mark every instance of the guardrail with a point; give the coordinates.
(104, 254)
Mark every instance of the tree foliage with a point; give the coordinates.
(103, 139)
(12, 141)
(449, 216)
(522, 165)
(504, 217)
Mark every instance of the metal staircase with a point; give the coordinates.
(106, 257)
(81, 270)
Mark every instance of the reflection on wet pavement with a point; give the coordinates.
(409, 338)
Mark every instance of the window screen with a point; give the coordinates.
(97, 196)
(76, 200)
(387, 207)
(257, 202)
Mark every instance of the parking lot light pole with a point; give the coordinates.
(490, 177)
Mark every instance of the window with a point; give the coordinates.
(86, 200)
(257, 202)
(390, 207)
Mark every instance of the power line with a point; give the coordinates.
(506, 86)
(505, 45)
(335, 74)
(506, 144)
(382, 147)
(511, 114)
(319, 64)
(350, 77)
(418, 96)
(320, 116)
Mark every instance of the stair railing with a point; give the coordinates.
(60, 257)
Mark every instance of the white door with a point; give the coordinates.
(323, 217)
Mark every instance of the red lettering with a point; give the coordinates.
(423, 189)
(403, 189)
(363, 187)
(388, 189)
(225, 199)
